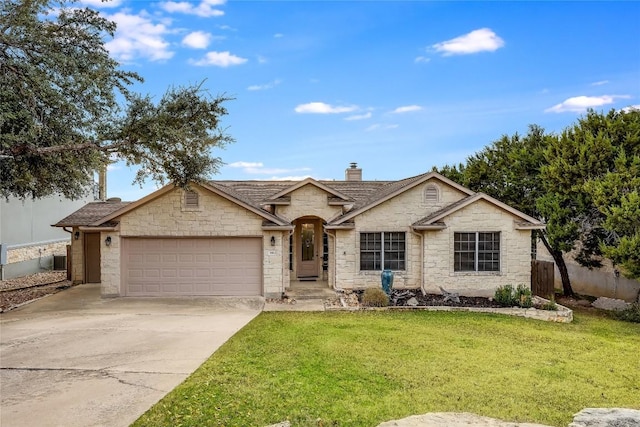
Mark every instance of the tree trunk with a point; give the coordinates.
(562, 267)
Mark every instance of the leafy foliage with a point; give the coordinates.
(508, 296)
(592, 186)
(631, 314)
(66, 108)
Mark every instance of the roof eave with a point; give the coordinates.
(278, 227)
(530, 226)
(349, 226)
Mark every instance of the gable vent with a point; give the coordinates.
(431, 194)
(191, 199)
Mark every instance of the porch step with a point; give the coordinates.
(309, 290)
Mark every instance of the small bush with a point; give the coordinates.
(550, 305)
(375, 297)
(523, 295)
(631, 314)
(507, 296)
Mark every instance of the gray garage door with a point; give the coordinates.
(192, 266)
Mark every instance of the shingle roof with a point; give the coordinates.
(254, 195)
(90, 213)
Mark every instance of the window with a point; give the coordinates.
(191, 200)
(476, 251)
(378, 250)
(431, 193)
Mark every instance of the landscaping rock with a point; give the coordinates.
(606, 417)
(412, 302)
(453, 419)
(611, 304)
(282, 424)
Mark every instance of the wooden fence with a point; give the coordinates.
(542, 279)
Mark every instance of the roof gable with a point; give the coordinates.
(436, 217)
(395, 188)
(225, 193)
(310, 181)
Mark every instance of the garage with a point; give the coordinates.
(192, 266)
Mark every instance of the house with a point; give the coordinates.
(256, 237)
(28, 243)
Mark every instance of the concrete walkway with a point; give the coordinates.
(75, 359)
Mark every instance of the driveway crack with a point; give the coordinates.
(103, 372)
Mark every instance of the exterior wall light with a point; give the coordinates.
(76, 235)
(273, 240)
(107, 241)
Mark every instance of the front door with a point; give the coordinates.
(92, 258)
(308, 249)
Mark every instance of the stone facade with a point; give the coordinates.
(515, 252)
(217, 217)
(394, 215)
(308, 200)
(37, 250)
(429, 254)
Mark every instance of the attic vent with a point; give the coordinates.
(431, 194)
(191, 200)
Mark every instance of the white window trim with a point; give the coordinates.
(382, 237)
(475, 261)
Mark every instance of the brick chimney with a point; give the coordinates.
(353, 173)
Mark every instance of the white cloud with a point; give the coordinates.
(579, 104)
(359, 116)
(258, 168)
(101, 4)
(600, 83)
(265, 86)
(278, 35)
(137, 36)
(406, 109)
(205, 9)
(290, 178)
(482, 40)
(197, 40)
(631, 108)
(219, 59)
(322, 108)
(422, 60)
(379, 126)
(262, 59)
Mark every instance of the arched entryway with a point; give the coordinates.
(309, 252)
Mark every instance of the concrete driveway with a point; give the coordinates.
(74, 359)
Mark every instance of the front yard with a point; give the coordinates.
(362, 368)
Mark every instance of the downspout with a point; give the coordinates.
(421, 235)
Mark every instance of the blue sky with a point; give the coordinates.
(398, 87)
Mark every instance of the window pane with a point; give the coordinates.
(489, 251)
(370, 251)
(394, 253)
(464, 251)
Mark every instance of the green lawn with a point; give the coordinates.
(359, 369)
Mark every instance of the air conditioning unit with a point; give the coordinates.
(59, 262)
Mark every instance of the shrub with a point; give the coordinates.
(375, 297)
(550, 305)
(631, 314)
(507, 296)
(523, 295)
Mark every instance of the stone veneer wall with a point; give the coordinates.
(77, 259)
(515, 252)
(394, 215)
(308, 200)
(215, 217)
(35, 251)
